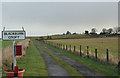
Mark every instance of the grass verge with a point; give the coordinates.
(63, 64)
(32, 62)
(108, 70)
(7, 43)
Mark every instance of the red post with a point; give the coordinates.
(16, 72)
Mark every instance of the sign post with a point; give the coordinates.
(13, 35)
(14, 60)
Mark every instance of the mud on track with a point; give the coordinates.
(53, 68)
(77, 65)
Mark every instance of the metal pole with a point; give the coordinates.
(14, 62)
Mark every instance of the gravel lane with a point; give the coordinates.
(77, 65)
(53, 68)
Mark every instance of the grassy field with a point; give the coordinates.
(73, 36)
(7, 43)
(100, 43)
(108, 70)
(32, 62)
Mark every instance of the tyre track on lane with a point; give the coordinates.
(77, 65)
(53, 68)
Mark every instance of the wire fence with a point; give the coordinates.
(104, 58)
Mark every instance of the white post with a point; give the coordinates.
(14, 62)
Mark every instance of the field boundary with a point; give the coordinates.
(106, 69)
(81, 53)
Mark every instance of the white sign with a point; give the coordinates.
(13, 35)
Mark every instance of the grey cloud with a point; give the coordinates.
(59, 16)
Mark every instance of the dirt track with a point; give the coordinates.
(77, 65)
(53, 68)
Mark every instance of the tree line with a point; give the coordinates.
(114, 30)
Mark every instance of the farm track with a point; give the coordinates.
(53, 68)
(77, 65)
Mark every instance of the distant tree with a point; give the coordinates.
(118, 29)
(93, 30)
(110, 30)
(68, 33)
(74, 33)
(86, 32)
(115, 29)
(104, 30)
(63, 33)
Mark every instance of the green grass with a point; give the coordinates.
(73, 36)
(108, 70)
(32, 62)
(100, 43)
(7, 43)
(70, 70)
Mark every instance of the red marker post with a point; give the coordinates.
(16, 72)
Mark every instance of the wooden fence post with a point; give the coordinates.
(74, 49)
(96, 53)
(66, 47)
(80, 51)
(57, 45)
(63, 47)
(107, 56)
(70, 48)
(87, 51)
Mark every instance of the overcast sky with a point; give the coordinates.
(42, 18)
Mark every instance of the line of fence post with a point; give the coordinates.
(65, 47)
(80, 51)
(96, 53)
(107, 55)
(87, 51)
